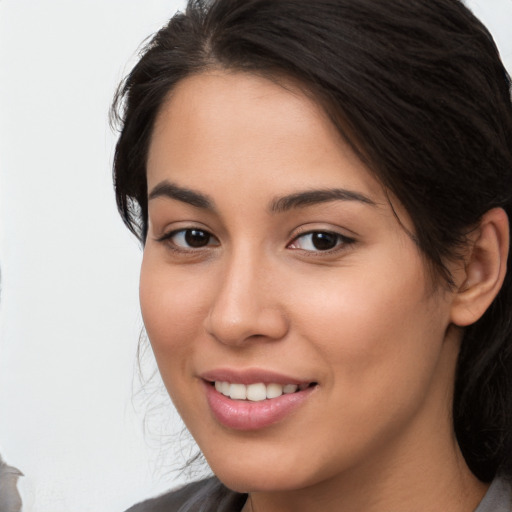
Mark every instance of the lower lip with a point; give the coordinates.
(247, 415)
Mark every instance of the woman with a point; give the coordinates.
(322, 189)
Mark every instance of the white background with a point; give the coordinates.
(70, 321)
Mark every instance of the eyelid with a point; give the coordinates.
(171, 228)
(166, 238)
(342, 241)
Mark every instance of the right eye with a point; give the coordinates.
(191, 238)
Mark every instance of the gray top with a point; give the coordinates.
(10, 499)
(211, 496)
(498, 498)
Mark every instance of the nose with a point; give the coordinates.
(245, 305)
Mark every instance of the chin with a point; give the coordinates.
(245, 476)
(261, 481)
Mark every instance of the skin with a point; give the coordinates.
(362, 320)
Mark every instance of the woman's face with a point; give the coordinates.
(275, 266)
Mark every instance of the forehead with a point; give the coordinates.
(234, 124)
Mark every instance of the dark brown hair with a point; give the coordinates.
(418, 89)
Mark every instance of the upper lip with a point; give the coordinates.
(251, 376)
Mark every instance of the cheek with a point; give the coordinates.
(171, 305)
(380, 338)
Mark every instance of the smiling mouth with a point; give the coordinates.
(259, 391)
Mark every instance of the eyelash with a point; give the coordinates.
(167, 238)
(340, 241)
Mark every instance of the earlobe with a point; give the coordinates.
(485, 268)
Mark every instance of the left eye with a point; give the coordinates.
(192, 238)
(318, 241)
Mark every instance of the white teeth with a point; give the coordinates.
(256, 392)
(225, 388)
(238, 391)
(274, 390)
(290, 388)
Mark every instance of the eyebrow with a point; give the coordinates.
(185, 195)
(282, 204)
(311, 197)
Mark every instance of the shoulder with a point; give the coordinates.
(208, 495)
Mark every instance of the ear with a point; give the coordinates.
(484, 270)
